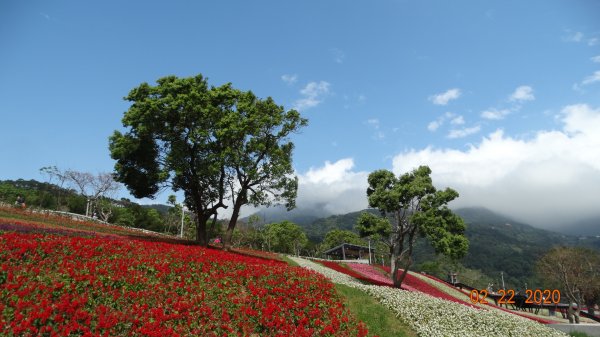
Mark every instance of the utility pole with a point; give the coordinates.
(182, 213)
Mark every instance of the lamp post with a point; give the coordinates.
(502, 276)
(369, 250)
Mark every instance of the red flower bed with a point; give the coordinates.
(58, 285)
(337, 267)
(258, 253)
(374, 275)
(424, 287)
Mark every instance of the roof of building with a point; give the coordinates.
(349, 246)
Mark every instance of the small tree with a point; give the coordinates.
(54, 172)
(93, 187)
(575, 270)
(285, 237)
(411, 207)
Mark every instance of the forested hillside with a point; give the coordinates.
(497, 244)
(158, 218)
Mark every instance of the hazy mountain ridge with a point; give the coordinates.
(497, 243)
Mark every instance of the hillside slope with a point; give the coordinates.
(497, 243)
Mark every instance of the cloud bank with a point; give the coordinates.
(549, 180)
(333, 188)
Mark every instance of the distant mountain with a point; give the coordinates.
(500, 244)
(497, 242)
(162, 209)
(316, 230)
(300, 216)
(586, 227)
(316, 225)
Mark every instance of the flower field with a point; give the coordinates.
(13, 219)
(430, 316)
(430, 286)
(64, 285)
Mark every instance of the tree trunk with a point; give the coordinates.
(239, 202)
(201, 233)
(395, 264)
(404, 272)
(399, 255)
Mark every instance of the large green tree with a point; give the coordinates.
(260, 155)
(411, 207)
(188, 136)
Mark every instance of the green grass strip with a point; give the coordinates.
(578, 334)
(288, 260)
(379, 320)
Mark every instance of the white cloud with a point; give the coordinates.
(313, 94)
(444, 98)
(495, 114)
(459, 120)
(289, 79)
(596, 59)
(434, 125)
(548, 180)
(593, 41)
(521, 94)
(334, 188)
(461, 133)
(454, 120)
(592, 78)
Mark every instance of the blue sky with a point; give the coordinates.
(499, 97)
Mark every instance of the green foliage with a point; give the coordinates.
(260, 154)
(124, 213)
(318, 228)
(411, 207)
(211, 142)
(499, 244)
(440, 266)
(36, 194)
(124, 217)
(259, 150)
(374, 226)
(284, 237)
(336, 237)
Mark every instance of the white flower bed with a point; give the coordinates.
(430, 316)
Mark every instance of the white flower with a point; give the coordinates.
(430, 316)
